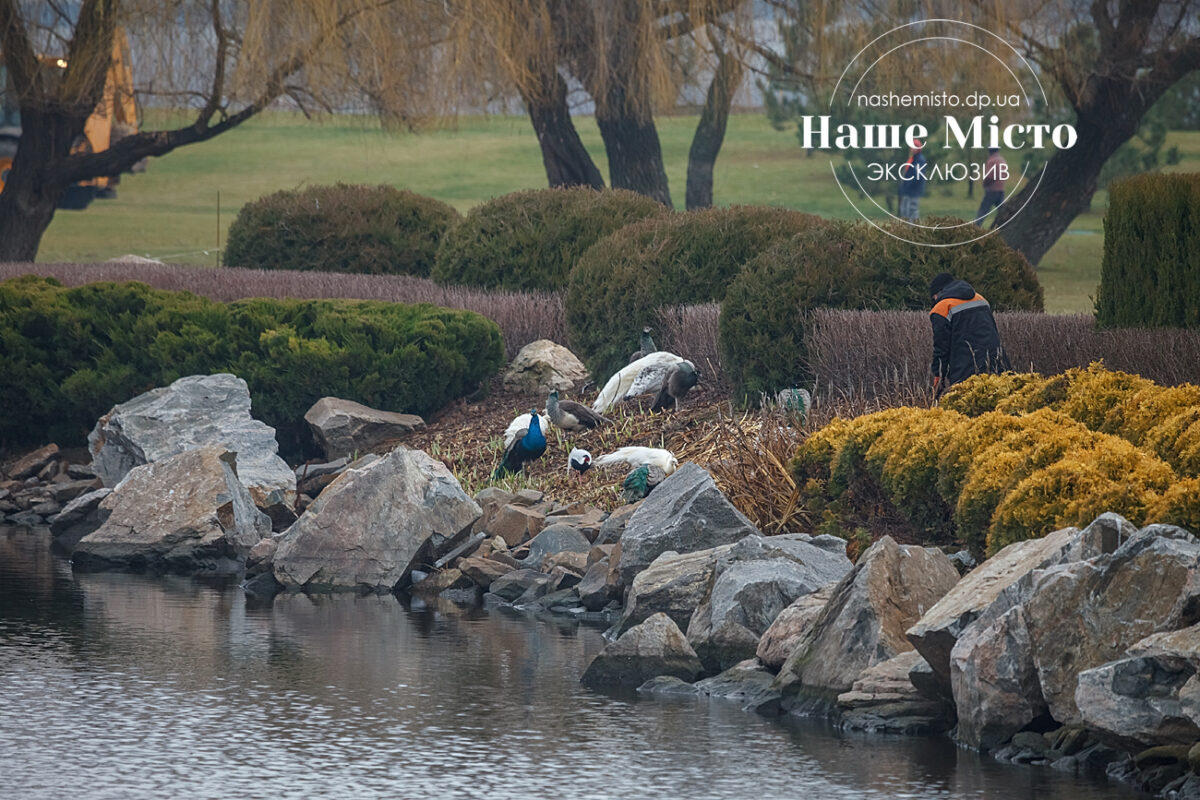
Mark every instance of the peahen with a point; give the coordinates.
(645, 345)
(524, 440)
(572, 416)
(679, 380)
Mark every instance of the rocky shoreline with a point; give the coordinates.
(1078, 651)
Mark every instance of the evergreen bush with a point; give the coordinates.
(1150, 273)
(68, 355)
(619, 284)
(342, 228)
(530, 240)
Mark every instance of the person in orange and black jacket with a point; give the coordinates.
(965, 339)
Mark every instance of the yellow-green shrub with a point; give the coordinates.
(1094, 392)
(1176, 440)
(1039, 392)
(1161, 420)
(1038, 440)
(847, 466)
(1178, 505)
(983, 393)
(1111, 475)
(904, 459)
(989, 480)
(1135, 417)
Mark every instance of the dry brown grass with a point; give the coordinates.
(522, 316)
(747, 453)
(889, 351)
(692, 332)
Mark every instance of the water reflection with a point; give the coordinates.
(126, 686)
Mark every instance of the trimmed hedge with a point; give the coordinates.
(1150, 273)
(764, 328)
(378, 230)
(988, 481)
(620, 282)
(530, 240)
(68, 355)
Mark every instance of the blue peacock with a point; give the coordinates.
(524, 441)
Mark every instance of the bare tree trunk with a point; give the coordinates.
(1066, 189)
(710, 132)
(33, 188)
(567, 161)
(635, 159)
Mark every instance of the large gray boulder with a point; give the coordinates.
(753, 582)
(685, 513)
(541, 366)
(193, 412)
(1151, 697)
(790, 627)
(674, 585)
(890, 588)
(370, 526)
(78, 518)
(1022, 657)
(343, 427)
(1150, 584)
(655, 647)
(185, 513)
(993, 677)
(935, 634)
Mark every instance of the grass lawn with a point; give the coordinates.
(170, 212)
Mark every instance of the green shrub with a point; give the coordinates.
(764, 323)
(901, 270)
(342, 228)
(531, 240)
(1150, 273)
(622, 280)
(68, 355)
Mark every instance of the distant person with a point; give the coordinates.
(912, 183)
(995, 170)
(965, 339)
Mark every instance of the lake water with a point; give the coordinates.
(124, 686)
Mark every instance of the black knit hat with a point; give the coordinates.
(939, 282)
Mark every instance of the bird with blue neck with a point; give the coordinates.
(524, 441)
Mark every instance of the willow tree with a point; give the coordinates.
(625, 55)
(216, 62)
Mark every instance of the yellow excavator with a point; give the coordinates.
(115, 117)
